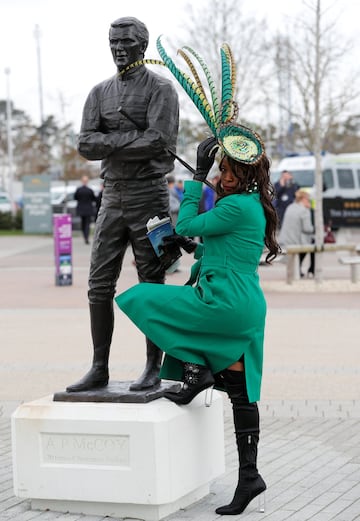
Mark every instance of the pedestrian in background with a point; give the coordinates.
(179, 188)
(209, 196)
(174, 199)
(297, 227)
(85, 198)
(285, 190)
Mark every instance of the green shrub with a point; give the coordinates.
(6, 221)
(18, 220)
(9, 222)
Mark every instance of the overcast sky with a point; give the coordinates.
(74, 44)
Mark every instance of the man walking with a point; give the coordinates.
(85, 198)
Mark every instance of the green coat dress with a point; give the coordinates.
(222, 316)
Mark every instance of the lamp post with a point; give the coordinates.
(37, 35)
(9, 141)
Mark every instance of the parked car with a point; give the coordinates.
(5, 203)
(62, 201)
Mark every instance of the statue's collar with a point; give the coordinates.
(132, 74)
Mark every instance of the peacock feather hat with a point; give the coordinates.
(237, 141)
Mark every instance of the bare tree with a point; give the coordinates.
(72, 165)
(344, 137)
(320, 92)
(208, 25)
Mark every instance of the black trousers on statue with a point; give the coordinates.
(125, 209)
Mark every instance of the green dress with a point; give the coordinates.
(222, 316)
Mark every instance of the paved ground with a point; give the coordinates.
(309, 452)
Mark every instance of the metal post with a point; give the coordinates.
(37, 35)
(9, 141)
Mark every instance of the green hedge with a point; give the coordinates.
(9, 222)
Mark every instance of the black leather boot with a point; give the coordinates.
(102, 326)
(150, 375)
(246, 421)
(196, 379)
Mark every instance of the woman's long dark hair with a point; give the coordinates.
(257, 178)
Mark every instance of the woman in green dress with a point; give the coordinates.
(212, 332)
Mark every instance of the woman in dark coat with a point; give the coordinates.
(213, 332)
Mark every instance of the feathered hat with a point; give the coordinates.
(239, 142)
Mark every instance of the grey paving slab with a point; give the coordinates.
(309, 452)
(307, 476)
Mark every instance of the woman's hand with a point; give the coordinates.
(185, 243)
(205, 158)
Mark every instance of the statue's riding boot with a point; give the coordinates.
(102, 326)
(150, 375)
(246, 421)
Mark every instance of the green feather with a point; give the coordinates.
(226, 87)
(191, 89)
(198, 84)
(211, 83)
(192, 69)
(230, 59)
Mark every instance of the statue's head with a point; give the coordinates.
(128, 39)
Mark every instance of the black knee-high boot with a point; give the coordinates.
(246, 422)
(150, 376)
(102, 325)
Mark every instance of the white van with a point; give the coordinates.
(341, 184)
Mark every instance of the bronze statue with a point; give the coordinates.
(135, 155)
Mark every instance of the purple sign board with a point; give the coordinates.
(62, 229)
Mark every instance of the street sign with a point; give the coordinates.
(63, 249)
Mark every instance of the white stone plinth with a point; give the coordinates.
(117, 459)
